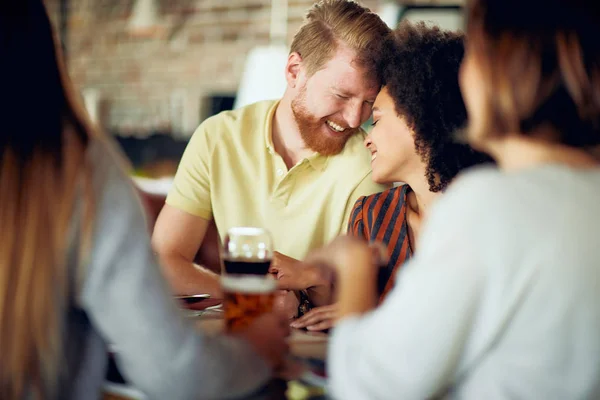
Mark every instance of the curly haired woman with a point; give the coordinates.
(415, 118)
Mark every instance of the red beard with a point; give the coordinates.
(311, 130)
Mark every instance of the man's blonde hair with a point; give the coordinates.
(330, 23)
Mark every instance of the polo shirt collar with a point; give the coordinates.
(316, 160)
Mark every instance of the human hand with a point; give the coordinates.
(286, 303)
(292, 274)
(351, 262)
(317, 319)
(341, 255)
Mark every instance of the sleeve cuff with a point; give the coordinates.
(185, 205)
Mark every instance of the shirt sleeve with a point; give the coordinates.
(191, 190)
(129, 304)
(356, 225)
(364, 188)
(411, 346)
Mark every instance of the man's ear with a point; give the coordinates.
(293, 69)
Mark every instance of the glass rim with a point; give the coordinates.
(246, 231)
(250, 284)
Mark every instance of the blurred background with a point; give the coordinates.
(150, 71)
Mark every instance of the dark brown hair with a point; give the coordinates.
(540, 61)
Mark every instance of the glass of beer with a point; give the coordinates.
(248, 288)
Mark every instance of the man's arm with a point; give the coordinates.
(292, 274)
(176, 238)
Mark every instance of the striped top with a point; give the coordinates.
(381, 217)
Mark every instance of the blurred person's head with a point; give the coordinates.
(331, 72)
(419, 109)
(42, 141)
(532, 69)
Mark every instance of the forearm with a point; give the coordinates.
(356, 288)
(321, 295)
(185, 277)
(318, 285)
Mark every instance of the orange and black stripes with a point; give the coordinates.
(382, 217)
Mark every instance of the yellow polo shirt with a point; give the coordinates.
(231, 172)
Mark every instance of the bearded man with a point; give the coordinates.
(293, 166)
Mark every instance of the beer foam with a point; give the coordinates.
(248, 283)
(246, 231)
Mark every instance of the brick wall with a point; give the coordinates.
(145, 82)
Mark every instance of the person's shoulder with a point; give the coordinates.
(355, 144)
(232, 128)
(111, 178)
(476, 195)
(476, 183)
(396, 191)
(393, 191)
(106, 159)
(247, 117)
(512, 196)
(479, 172)
(355, 153)
(471, 209)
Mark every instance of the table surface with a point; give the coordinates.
(302, 343)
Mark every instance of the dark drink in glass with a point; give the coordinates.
(248, 288)
(243, 266)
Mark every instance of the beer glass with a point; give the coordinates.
(248, 288)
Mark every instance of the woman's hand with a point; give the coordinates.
(292, 274)
(351, 262)
(295, 275)
(342, 256)
(286, 303)
(317, 319)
